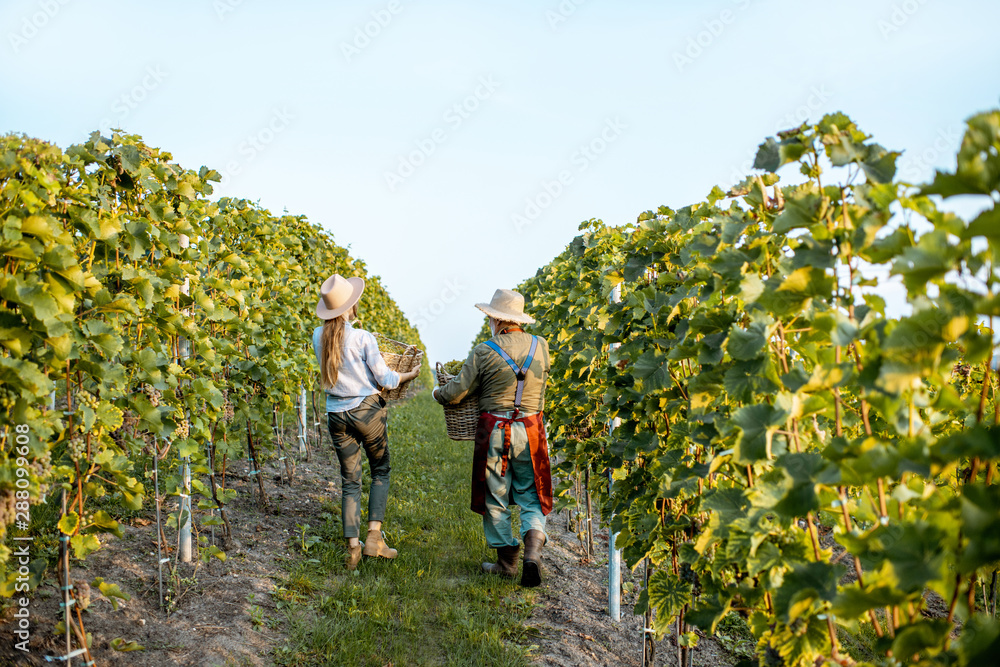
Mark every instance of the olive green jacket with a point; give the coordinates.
(488, 375)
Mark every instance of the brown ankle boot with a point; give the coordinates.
(506, 565)
(353, 556)
(375, 545)
(531, 574)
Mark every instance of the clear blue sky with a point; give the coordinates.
(305, 112)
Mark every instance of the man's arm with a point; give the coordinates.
(465, 383)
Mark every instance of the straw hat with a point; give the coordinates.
(337, 295)
(506, 306)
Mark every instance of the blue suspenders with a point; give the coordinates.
(522, 372)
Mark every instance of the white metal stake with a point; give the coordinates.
(185, 511)
(614, 555)
(185, 504)
(303, 449)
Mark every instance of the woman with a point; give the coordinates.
(352, 370)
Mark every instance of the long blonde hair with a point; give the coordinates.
(332, 347)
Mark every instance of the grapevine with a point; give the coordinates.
(142, 320)
(774, 412)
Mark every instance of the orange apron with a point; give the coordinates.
(537, 445)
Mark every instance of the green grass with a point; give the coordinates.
(734, 635)
(429, 606)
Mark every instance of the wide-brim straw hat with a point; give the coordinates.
(337, 295)
(506, 306)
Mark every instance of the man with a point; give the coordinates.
(511, 459)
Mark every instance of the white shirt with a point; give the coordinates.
(362, 369)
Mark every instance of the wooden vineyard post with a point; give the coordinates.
(319, 430)
(590, 513)
(614, 555)
(648, 641)
(159, 526)
(64, 571)
(256, 474)
(289, 476)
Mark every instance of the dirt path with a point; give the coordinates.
(225, 613)
(574, 629)
(231, 613)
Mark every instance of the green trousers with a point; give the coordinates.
(364, 427)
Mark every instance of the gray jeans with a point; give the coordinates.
(364, 426)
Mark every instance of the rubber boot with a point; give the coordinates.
(506, 565)
(375, 545)
(531, 573)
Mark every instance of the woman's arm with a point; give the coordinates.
(410, 374)
(385, 376)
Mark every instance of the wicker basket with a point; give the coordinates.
(401, 358)
(461, 419)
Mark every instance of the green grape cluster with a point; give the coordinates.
(228, 409)
(87, 399)
(7, 508)
(152, 393)
(41, 469)
(454, 367)
(129, 422)
(81, 591)
(77, 447)
(183, 429)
